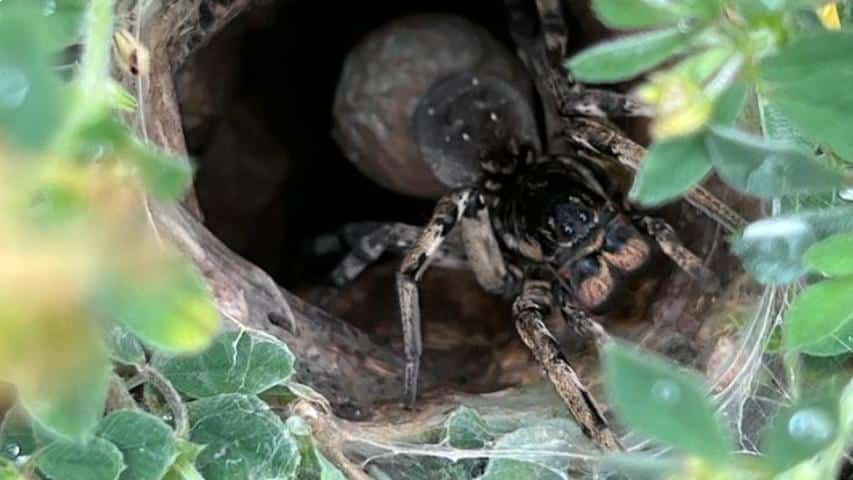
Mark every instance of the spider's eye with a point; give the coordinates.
(583, 216)
(568, 229)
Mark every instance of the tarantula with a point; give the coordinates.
(545, 225)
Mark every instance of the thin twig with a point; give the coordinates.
(172, 397)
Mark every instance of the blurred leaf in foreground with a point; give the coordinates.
(800, 431)
(831, 256)
(656, 399)
(809, 80)
(31, 102)
(820, 320)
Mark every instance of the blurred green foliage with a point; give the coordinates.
(793, 57)
(85, 281)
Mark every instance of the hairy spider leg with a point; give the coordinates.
(601, 138)
(446, 215)
(530, 310)
(565, 99)
(672, 247)
(368, 241)
(542, 37)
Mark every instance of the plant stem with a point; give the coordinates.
(173, 399)
(97, 42)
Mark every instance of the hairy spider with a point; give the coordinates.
(546, 226)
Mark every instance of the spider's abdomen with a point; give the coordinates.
(389, 73)
(468, 125)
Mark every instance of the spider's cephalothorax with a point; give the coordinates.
(557, 213)
(540, 219)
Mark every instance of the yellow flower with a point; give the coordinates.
(681, 106)
(828, 15)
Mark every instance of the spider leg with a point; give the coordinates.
(594, 102)
(601, 138)
(448, 212)
(554, 29)
(672, 247)
(529, 311)
(541, 35)
(566, 102)
(369, 240)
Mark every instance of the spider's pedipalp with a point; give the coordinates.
(483, 251)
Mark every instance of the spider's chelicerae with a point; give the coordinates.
(542, 224)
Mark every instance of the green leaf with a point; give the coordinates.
(466, 429)
(285, 393)
(125, 347)
(819, 318)
(244, 439)
(752, 9)
(656, 398)
(642, 467)
(314, 465)
(184, 466)
(832, 256)
(800, 431)
(765, 169)
(236, 362)
(65, 18)
(102, 134)
(808, 81)
(121, 99)
(698, 67)
(651, 13)
(96, 459)
(73, 408)
(671, 168)
(8, 470)
(166, 176)
(17, 437)
(536, 452)
(729, 106)
(146, 443)
(62, 18)
(58, 205)
(31, 104)
(627, 57)
(772, 248)
(778, 127)
(167, 306)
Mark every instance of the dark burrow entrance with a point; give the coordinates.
(257, 112)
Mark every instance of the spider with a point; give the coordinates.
(541, 221)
